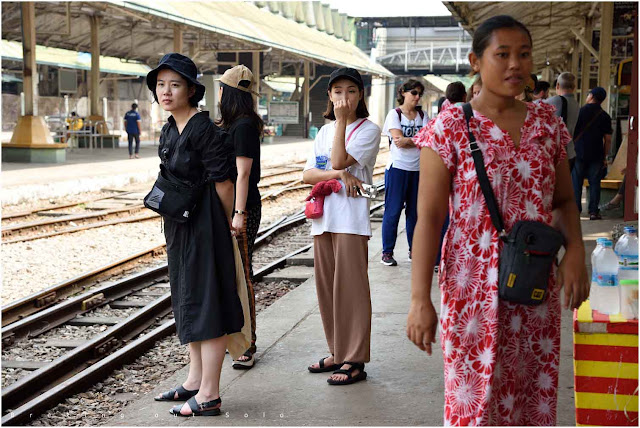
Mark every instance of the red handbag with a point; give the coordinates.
(314, 208)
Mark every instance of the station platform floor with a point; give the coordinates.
(405, 386)
(90, 170)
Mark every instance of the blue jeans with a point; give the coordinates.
(592, 171)
(401, 191)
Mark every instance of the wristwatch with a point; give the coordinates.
(239, 212)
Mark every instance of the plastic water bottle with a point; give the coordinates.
(593, 291)
(627, 252)
(608, 289)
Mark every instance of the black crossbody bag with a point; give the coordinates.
(172, 198)
(529, 251)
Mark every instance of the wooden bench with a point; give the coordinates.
(606, 184)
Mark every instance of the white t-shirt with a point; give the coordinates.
(407, 159)
(343, 214)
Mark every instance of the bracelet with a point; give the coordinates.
(239, 212)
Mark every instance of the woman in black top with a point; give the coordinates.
(200, 252)
(239, 119)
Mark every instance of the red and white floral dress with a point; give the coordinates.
(500, 359)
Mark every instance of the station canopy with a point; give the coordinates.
(551, 24)
(143, 31)
(71, 59)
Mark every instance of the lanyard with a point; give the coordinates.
(352, 131)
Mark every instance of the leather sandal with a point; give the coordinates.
(183, 394)
(202, 409)
(247, 364)
(323, 368)
(362, 375)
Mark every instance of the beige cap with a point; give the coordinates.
(233, 76)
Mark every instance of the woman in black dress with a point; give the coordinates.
(200, 252)
(239, 119)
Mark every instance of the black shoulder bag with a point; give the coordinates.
(529, 251)
(171, 197)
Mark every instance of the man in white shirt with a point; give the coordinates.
(565, 88)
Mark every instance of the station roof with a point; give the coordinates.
(551, 24)
(143, 30)
(71, 59)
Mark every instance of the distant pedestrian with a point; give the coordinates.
(244, 126)
(527, 93)
(441, 101)
(541, 91)
(567, 108)
(403, 169)
(208, 310)
(132, 125)
(474, 89)
(592, 142)
(345, 149)
(501, 358)
(456, 95)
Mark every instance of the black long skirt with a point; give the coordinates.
(202, 273)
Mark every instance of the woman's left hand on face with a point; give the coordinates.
(572, 275)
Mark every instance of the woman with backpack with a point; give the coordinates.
(402, 172)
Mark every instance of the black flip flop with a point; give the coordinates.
(362, 375)
(322, 368)
(198, 409)
(183, 394)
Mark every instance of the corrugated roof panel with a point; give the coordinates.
(71, 59)
(246, 21)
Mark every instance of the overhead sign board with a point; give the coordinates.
(283, 111)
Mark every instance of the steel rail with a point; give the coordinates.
(48, 297)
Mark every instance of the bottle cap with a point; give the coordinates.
(630, 229)
(628, 282)
(608, 243)
(600, 240)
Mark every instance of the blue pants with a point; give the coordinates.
(401, 191)
(591, 170)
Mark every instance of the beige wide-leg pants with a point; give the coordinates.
(342, 282)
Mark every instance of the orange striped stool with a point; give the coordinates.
(605, 363)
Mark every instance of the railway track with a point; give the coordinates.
(124, 339)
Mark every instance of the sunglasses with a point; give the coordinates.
(414, 92)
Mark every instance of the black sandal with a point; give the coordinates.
(322, 368)
(362, 375)
(198, 409)
(183, 394)
(245, 365)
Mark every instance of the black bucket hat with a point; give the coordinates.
(182, 65)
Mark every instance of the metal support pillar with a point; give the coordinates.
(255, 69)
(95, 65)
(177, 38)
(307, 103)
(575, 56)
(586, 61)
(604, 67)
(29, 70)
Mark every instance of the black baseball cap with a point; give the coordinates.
(346, 73)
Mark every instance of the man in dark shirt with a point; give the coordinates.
(132, 125)
(592, 143)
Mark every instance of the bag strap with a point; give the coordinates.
(354, 130)
(399, 111)
(563, 112)
(586, 128)
(421, 113)
(485, 185)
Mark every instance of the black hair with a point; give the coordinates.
(407, 86)
(134, 106)
(541, 86)
(456, 92)
(73, 113)
(440, 102)
(361, 110)
(236, 104)
(482, 35)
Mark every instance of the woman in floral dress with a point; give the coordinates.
(500, 359)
